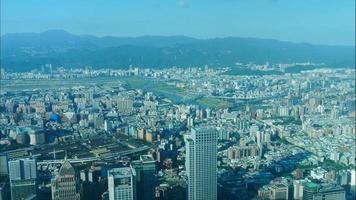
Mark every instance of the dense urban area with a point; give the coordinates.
(174, 133)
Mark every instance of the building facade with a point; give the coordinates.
(201, 161)
(122, 183)
(313, 191)
(23, 175)
(145, 177)
(64, 185)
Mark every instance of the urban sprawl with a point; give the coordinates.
(177, 133)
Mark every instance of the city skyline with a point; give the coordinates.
(177, 100)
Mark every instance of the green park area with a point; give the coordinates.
(334, 165)
(212, 102)
(287, 121)
(158, 87)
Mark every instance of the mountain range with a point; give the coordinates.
(27, 51)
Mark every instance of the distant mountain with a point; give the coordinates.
(26, 51)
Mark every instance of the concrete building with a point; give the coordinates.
(122, 183)
(353, 181)
(330, 192)
(64, 185)
(309, 190)
(279, 191)
(145, 177)
(298, 186)
(238, 152)
(201, 161)
(4, 170)
(313, 191)
(23, 175)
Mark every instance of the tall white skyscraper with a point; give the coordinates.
(200, 163)
(122, 183)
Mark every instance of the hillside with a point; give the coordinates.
(26, 51)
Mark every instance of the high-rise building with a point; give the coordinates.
(298, 186)
(353, 181)
(315, 191)
(145, 177)
(200, 162)
(23, 174)
(122, 183)
(3, 165)
(279, 191)
(309, 190)
(64, 184)
(330, 192)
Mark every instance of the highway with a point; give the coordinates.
(93, 159)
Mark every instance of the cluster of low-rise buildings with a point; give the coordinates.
(288, 136)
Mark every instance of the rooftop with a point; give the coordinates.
(122, 171)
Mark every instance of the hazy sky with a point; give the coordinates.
(313, 21)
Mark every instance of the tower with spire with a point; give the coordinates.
(64, 185)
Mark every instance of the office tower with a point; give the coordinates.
(122, 184)
(330, 192)
(314, 191)
(200, 162)
(145, 177)
(309, 190)
(3, 165)
(23, 174)
(64, 185)
(298, 187)
(279, 191)
(353, 181)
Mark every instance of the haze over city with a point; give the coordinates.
(177, 100)
(316, 21)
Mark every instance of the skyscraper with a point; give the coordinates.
(309, 190)
(200, 162)
(122, 183)
(145, 177)
(64, 185)
(3, 164)
(315, 191)
(330, 192)
(23, 174)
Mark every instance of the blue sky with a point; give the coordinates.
(312, 21)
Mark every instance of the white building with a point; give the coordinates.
(122, 183)
(318, 173)
(353, 180)
(201, 160)
(298, 186)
